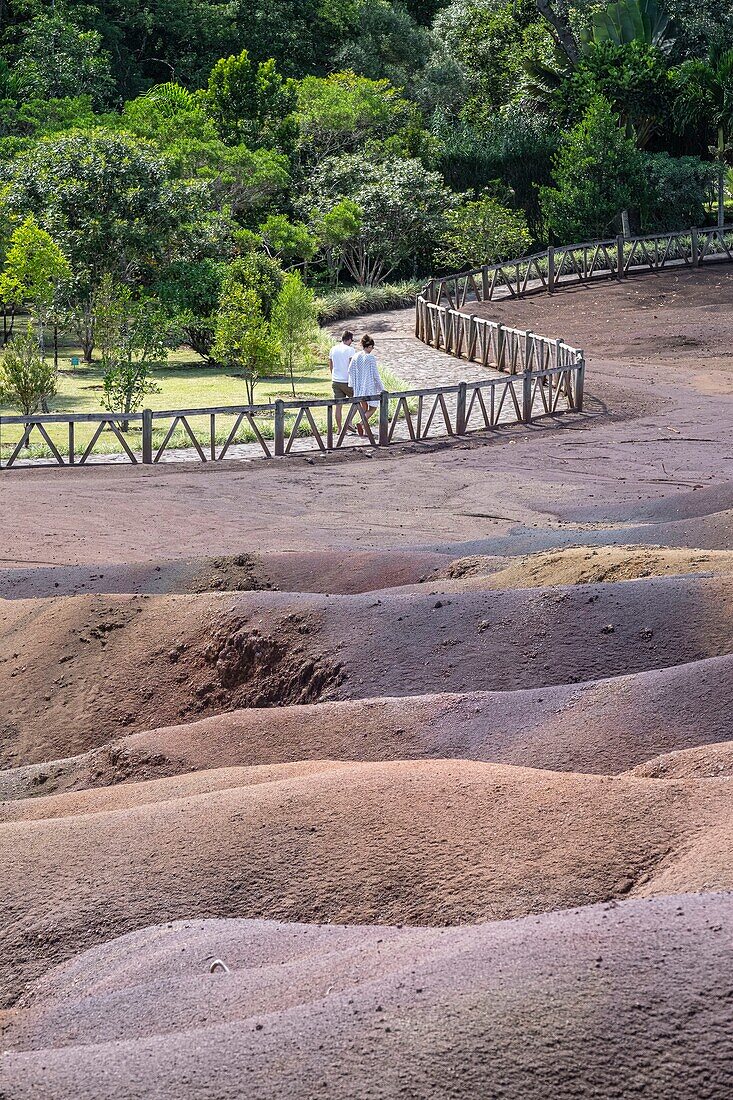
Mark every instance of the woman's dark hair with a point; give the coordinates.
(366, 341)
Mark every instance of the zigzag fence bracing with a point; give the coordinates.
(580, 263)
(553, 384)
(442, 319)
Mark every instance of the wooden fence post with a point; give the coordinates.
(620, 256)
(329, 428)
(527, 396)
(579, 384)
(695, 247)
(499, 345)
(148, 437)
(461, 408)
(279, 428)
(485, 289)
(550, 269)
(383, 419)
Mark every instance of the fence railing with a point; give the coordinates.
(580, 263)
(550, 382)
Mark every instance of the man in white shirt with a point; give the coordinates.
(339, 361)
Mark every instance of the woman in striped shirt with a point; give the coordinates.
(364, 379)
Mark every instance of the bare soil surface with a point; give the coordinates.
(425, 843)
(602, 727)
(122, 664)
(363, 726)
(499, 1009)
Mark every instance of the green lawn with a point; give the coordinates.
(186, 382)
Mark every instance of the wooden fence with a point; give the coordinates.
(578, 263)
(551, 382)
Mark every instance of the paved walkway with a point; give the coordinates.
(413, 362)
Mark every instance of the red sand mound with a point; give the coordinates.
(703, 762)
(135, 663)
(501, 1010)
(423, 842)
(344, 571)
(604, 727)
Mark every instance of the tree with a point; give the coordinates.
(401, 208)
(239, 179)
(27, 380)
(703, 26)
(244, 340)
(151, 42)
(485, 37)
(333, 229)
(598, 173)
(190, 295)
(483, 232)
(134, 338)
(621, 54)
(344, 110)
(294, 321)
(34, 271)
(59, 58)
(108, 201)
(633, 77)
(260, 273)
(706, 99)
(556, 16)
(393, 46)
(251, 102)
(289, 242)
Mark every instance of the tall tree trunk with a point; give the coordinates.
(563, 31)
(56, 346)
(721, 177)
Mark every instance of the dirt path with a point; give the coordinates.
(652, 451)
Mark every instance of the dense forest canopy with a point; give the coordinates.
(178, 149)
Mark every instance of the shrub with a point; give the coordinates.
(679, 188)
(599, 172)
(483, 232)
(26, 378)
(356, 301)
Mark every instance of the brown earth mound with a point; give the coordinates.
(432, 842)
(501, 1010)
(80, 672)
(343, 571)
(702, 762)
(586, 565)
(603, 727)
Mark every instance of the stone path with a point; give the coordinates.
(397, 347)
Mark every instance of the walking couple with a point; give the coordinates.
(354, 374)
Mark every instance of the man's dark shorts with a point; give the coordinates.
(342, 391)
